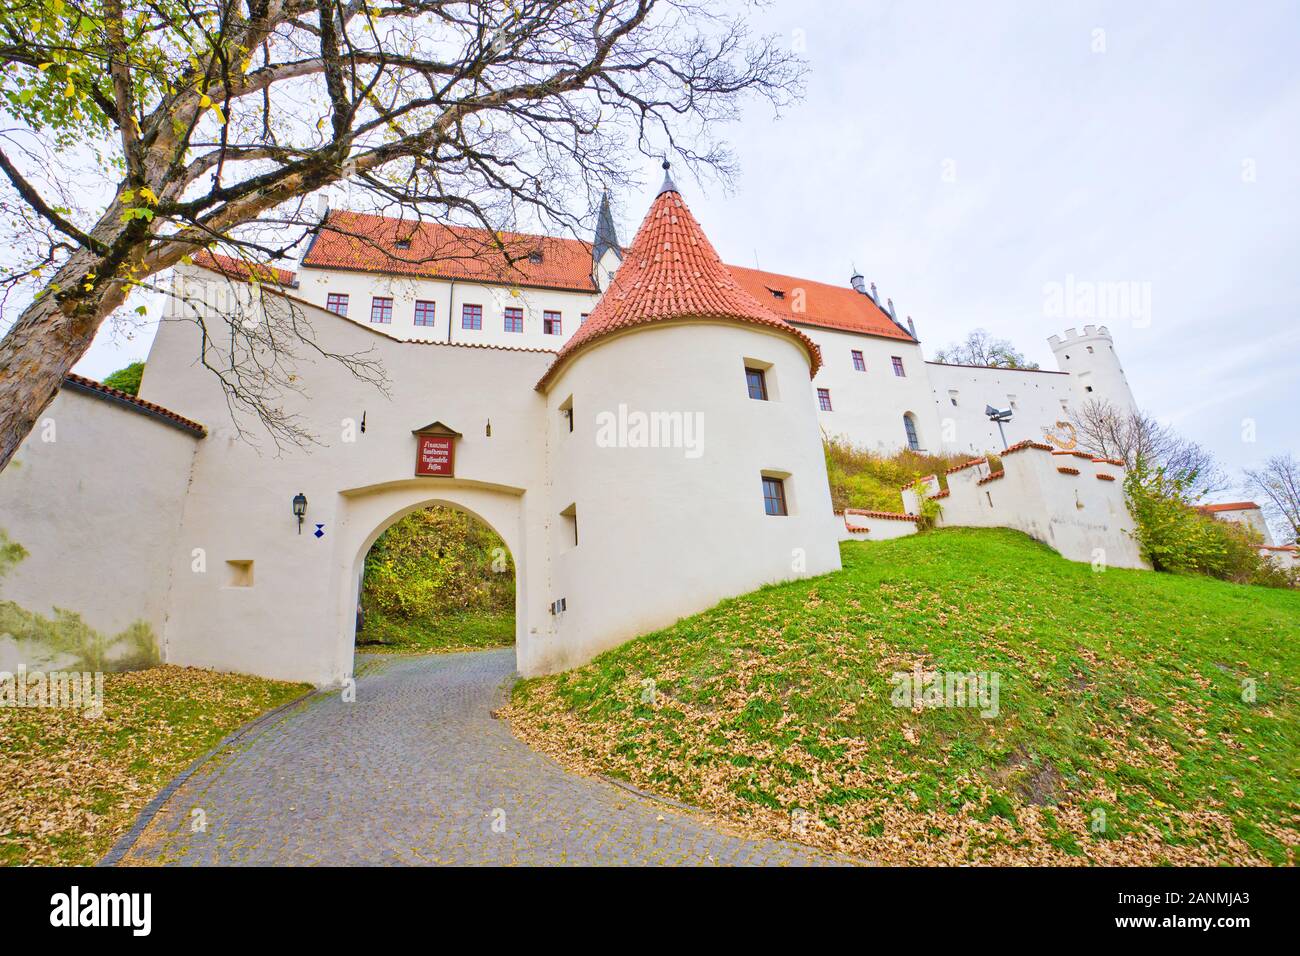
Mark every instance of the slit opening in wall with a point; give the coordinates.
(569, 518)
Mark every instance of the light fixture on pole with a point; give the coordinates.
(300, 508)
(999, 415)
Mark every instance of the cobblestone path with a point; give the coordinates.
(417, 771)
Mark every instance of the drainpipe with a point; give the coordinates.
(451, 306)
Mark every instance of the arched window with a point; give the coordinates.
(909, 423)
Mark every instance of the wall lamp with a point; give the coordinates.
(300, 508)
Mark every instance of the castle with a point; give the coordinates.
(642, 425)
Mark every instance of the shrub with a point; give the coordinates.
(1175, 537)
(127, 379)
(866, 479)
(438, 561)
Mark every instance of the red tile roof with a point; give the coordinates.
(818, 303)
(242, 269)
(1229, 506)
(671, 273)
(991, 476)
(80, 383)
(368, 243)
(889, 515)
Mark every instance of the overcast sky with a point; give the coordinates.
(967, 155)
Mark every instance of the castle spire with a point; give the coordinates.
(606, 233)
(669, 186)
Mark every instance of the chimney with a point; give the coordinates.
(859, 284)
(891, 311)
(911, 327)
(874, 297)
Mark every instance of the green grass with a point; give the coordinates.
(73, 785)
(469, 630)
(1122, 734)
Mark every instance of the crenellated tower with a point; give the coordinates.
(1094, 366)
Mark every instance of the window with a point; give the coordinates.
(337, 302)
(952, 396)
(774, 496)
(898, 365)
(859, 363)
(909, 425)
(514, 320)
(756, 379)
(425, 311)
(824, 399)
(777, 293)
(403, 243)
(566, 411)
(471, 316)
(583, 318)
(535, 257)
(381, 310)
(551, 323)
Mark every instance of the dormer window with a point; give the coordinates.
(535, 257)
(777, 293)
(403, 243)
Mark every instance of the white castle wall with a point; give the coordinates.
(296, 621)
(98, 507)
(1083, 516)
(663, 533)
(1038, 400)
(868, 406)
(314, 285)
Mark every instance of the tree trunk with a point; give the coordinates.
(47, 340)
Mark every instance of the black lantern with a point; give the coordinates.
(299, 508)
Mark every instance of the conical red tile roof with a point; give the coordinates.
(671, 273)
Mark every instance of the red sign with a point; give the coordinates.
(437, 455)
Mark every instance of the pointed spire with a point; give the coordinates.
(606, 233)
(669, 186)
(671, 273)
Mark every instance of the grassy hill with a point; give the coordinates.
(1142, 718)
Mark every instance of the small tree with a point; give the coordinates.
(1108, 431)
(981, 348)
(1277, 482)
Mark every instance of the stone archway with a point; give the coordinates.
(367, 512)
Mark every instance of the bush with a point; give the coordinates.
(127, 379)
(1175, 537)
(865, 479)
(437, 562)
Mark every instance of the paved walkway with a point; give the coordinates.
(417, 771)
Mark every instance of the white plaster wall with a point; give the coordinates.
(1039, 398)
(314, 285)
(97, 509)
(868, 406)
(297, 620)
(862, 527)
(1081, 516)
(662, 535)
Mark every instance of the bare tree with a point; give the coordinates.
(1278, 483)
(982, 349)
(1109, 431)
(140, 133)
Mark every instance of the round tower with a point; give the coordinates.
(684, 459)
(1094, 366)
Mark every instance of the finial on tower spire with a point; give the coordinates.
(669, 186)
